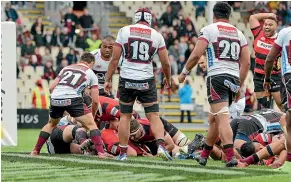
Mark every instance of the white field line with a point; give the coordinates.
(124, 164)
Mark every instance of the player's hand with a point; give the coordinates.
(182, 77)
(276, 164)
(145, 154)
(167, 83)
(267, 84)
(242, 164)
(238, 95)
(108, 87)
(105, 155)
(273, 16)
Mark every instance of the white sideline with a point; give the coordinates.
(124, 164)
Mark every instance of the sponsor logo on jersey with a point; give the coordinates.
(226, 30)
(135, 31)
(264, 45)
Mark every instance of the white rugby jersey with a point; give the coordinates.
(73, 80)
(224, 45)
(100, 67)
(283, 42)
(139, 44)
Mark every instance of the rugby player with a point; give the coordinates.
(137, 44)
(282, 43)
(228, 63)
(263, 26)
(66, 95)
(102, 59)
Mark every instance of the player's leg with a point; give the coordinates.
(261, 95)
(275, 90)
(55, 115)
(277, 97)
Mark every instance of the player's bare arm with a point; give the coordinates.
(256, 18)
(95, 98)
(117, 50)
(269, 65)
(193, 59)
(54, 84)
(163, 54)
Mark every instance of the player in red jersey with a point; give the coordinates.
(263, 26)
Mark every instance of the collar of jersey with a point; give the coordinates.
(82, 64)
(274, 36)
(221, 20)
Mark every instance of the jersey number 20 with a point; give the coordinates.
(228, 49)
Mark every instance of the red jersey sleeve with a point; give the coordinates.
(256, 31)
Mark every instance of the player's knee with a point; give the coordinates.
(264, 103)
(126, 109)
(152, 108)
(182, 140)
(53, 122)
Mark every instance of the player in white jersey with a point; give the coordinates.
(228, 63)
(137, 44)
(282, 43)
(66, 95)
(102, 60)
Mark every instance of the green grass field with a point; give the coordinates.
(17, 165)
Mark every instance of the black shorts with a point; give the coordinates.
(216, 90)
(152, 146)
(144, 90)
(259, 82)
(75, 107)
(60, 146)
(103, 93)
(245, 128)
(287, 90)
(169, 127)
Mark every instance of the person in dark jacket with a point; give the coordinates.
(37, 23)
(49, 39)
(167, 17)
(71, 57)
(38, 38)
(49, 73)
(28, 49)
(86, 20)
(10, 12)
(81, 41)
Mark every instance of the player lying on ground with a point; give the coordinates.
(66, 95)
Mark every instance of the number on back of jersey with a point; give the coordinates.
(72, 78)
(227, 49)
(139, 50)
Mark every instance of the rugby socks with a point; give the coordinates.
(228, 150)
(253, 159)
(289, 157)
(42, 138)
(206, 151)
(123, 149)
(81, 136)
(95, 137)
(161, 142)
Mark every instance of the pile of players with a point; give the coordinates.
(245, 140)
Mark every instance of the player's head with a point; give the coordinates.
(143, 15)
(270, 26)
(107, 46)
(88, 59)
(221, 10)
(135, 130)
(114, 124)
(249, 148)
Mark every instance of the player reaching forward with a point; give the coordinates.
(228, 63)
(138, 44)
(66, 95)
(283, 42)
(103, 57)
(263, 26)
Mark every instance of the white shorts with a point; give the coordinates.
(236, 109)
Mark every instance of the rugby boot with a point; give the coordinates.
(164, 154)
(122, 157)
(232, 163)
(197, 143)
(286, 168)
(202, 161)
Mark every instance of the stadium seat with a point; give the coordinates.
(23, 90)
(39, 70)
(28, 70)
(19, 83)
(65, 50)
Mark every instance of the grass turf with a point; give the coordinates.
(17, 165)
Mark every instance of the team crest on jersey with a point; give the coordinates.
(263, 38)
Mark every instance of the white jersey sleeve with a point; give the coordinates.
(204, 34)
(119, 40)
(283, 42)
(243, 40)
(162, 44)
(93, 79)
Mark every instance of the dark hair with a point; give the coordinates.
(222, 10)
(134, 126)
(109, 37)
(247, 149)
(87, 57)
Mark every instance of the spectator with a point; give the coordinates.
(47, 56)
(155, 21)
(70, 21)
(185, 94)
(81, 41)
(49, 73)
(63, 39)
(189, 51)
(86, 20)
(71, 57)
(282, 13)
(33, 61)
(38, 37)
(40, 96)
(49, 39)
(174, 50)
(37, 23)
(174, 65)
(288, 17)
(181, 63)
(190, 32)
(10, 12)
(63, 64)
(167, 17)
(28, 49)
(176, 7)
(38, 56)
(183, 46)
(22, 37)
(201, 69)
(200, 8)
(93, 43)
(96, 29)
(172, 37)
(60, 56)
